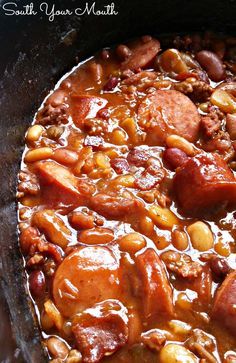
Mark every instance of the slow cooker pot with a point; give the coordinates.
(35, 53)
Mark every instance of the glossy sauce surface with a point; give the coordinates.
(126, 205)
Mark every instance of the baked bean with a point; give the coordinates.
(132, 242)
(212, 64)
(146, 225)
(41, 153)
(223, 248)
(180, 240)
(74, 357)
(119, 137)
(96, 71)
(52, 226)
(65, 156)
(175, 141)
(53, 314)
(163, 217)
(174, 353)
(124, 180)
(80, 220)
(37, 284)
(55, 132)
(179, 327)
(201, 236)
(34, 132)
(97, 235)
(130, 126)
(57, 348)
(46, 322)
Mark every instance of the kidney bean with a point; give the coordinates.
(28, 237)
(37, 283)
(123, 52)
(219, 266)
(174, 157)
(120, 165)
(103, 113)
(105, 54)
(212, 64)
(111, 84)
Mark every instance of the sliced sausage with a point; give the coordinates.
(142, 53)
(157, 292)
(101, 330)
(86, 106)
(87, 276)
(224, 306)
(167, 112)
(63, 185)
(114, 207)
(204, 183)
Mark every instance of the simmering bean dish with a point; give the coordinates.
(127, 195)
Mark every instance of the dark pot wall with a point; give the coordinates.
(33, 57)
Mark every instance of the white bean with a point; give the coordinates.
(201, 236)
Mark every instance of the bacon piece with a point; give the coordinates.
(157, 292)
(101, 329)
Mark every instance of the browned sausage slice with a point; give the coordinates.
(101, 330)
(157, 292)
(224, 306)
(60, 184)
(203, 183)
(167, 112)
(86, 106)
(142, 54)
(85, 277)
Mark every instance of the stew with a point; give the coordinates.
(126, 209)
